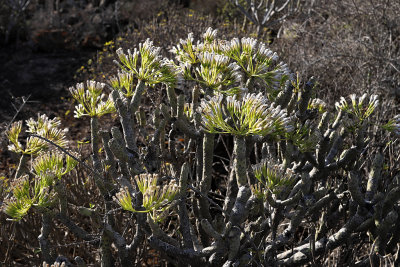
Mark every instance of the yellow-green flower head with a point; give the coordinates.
(43, 126)
(248, 45)
(124, 199)
(359, 108)
(272, 177)
(30, 193)
(124, 83)
(43, 122)
(12, 135)
(216, 71)
(19, 204)
(258, 191)
(393, 125)
(257, 61)
(175, 78)
(146, 64)
(305, 138)
(252, 115)
(318, 104)
(209, 35)
(54, 162)
(92, 101)
(186, 53)
(155, 197)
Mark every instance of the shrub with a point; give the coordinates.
(228, 169)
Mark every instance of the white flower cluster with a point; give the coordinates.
(42, 123)
(211, 59)
(252, 115)
(123, 82)
(396, 124)
(209, 35)
(91, 100)
(129, 60)
(43, 126)
(175, 74)
(216, 70)
(155, 197)
(249, 45)
(147, 64)
(187, 53)
(282, 70)
(263, 53)
(393, 125)
(317, 104)
(232, 48)
(218, 64)
(257, 61)
(358, 108)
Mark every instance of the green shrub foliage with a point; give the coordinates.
(289, 162)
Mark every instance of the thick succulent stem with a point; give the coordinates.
(95, 140)
(239, 150)
(75, 229)
(384, 226)
(137, 96)
(205, 184)
(374, 177)
(125, 116)
(94, 136)
(186, 256)
(303, 254)
(109, 161)
(105, 244)
(107, 259)
(172, 99)
(44, 242)
(304, 99)
(183, 212)
(231, 192)
(120, 243)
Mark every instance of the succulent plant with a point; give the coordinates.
(146, 64)
(289, 163)
(252, 115)
(393, 125)
(359, 109)
(272, 178)
(91, 100)
(156, 198)
(44, 127)
(38, 192)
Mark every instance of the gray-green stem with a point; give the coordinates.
(205, 184)
(135, 102)
(44, 238)
(239, 150)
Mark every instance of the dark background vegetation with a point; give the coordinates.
(349, 46)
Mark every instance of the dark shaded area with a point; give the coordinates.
(43, 43)
(42, 76)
